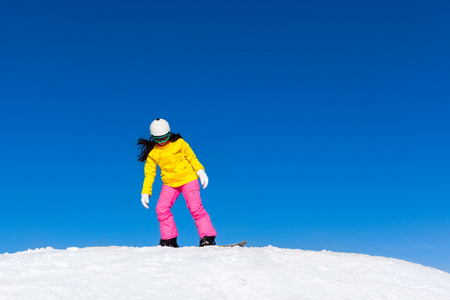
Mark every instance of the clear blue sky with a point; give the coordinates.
(321, 124)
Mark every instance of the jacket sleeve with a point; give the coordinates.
(150, 173)
(190, 156)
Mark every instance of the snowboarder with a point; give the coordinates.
(180, 171)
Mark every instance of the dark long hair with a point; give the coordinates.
(147, 145)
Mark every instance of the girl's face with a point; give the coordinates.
(162, 140)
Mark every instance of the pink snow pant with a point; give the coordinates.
(191, 193)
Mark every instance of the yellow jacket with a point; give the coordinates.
(177, 162)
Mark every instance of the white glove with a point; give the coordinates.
(203, 178)
(144, 200)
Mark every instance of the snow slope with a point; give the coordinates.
(213, 273)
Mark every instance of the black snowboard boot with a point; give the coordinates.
(207, 241)
(169, 243)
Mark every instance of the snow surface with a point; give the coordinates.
(213, 273)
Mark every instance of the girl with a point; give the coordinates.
(179, 170)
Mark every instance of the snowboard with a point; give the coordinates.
(240, 244)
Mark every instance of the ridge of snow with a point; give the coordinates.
(213, 273)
